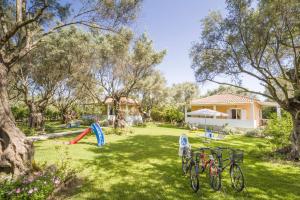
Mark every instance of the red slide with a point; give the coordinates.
(79, 137)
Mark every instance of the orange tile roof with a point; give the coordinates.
(124, 100)
(224, 99)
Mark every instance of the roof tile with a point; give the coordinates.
(223, 98)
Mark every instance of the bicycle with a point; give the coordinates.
(186, 159)
(194, 167)
(236, 174)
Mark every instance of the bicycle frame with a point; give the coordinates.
(221, 168)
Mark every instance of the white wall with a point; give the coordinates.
(220, 122)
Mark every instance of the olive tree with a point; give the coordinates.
(23, 24)
(260, 39)
(152, 92)
(123, 63)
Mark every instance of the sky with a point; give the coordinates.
(174, 25)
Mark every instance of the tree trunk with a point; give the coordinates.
(36, 121)
(119, 121)
(64, 116)
(16, 152)
(295, 136)
(36, 117)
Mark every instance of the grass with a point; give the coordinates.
(145, 165)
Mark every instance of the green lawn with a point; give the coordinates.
(145, 165)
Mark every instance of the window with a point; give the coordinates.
(111, 111)
(236, 113)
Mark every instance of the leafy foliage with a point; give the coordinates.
(279, 129)
(20, 112)
(257, 39)
(40, 183)
(167, 114)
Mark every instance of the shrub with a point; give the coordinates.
(279, 130)
(254, 133)
(231, 130)
(20, 112)
(157, 114)
(118, 131)
(29, 131)
(39, 185)
(52, 113)
(88, 122)
(173, 115)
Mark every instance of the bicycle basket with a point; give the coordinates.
(237, 155)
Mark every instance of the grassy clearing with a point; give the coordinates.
(145, 165)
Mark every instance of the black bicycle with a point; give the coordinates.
(217, 167)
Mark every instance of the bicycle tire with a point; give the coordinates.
(194, 177)
(214, 176)
(184, 165)
(237, 177)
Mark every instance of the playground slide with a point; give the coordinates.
(79, 137)
(99, 134)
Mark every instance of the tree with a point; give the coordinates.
(61, 57)
(152, 92)
(257, 40)
(120, 68)
(23, 24)
(182, 93)
(228, 90)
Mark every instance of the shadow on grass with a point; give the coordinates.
(148, 167)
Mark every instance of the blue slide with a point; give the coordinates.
(99, 134)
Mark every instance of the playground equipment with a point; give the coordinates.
(96, 129)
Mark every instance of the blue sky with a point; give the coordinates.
(173, 25)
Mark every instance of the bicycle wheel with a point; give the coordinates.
(214, 176)
(237, 177)
(184, 164)
(194, 177)
(185, 161)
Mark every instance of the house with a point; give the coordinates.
(242, 111)
(129, 107)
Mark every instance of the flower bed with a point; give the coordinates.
(39, 184)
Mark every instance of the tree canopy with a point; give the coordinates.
(259, 39)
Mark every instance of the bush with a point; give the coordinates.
(254, 133)
(118, 131)
(88, 122)
(43, 182)
(29, 131)
(173, 115)
(39, 185)
(20, 112)
(167, 114)
(52, 113)
(231, 130)
(279, 130)
(157, 114)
